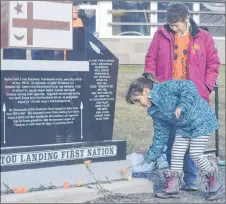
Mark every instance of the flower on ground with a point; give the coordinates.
(16, 190)
(24, 189)
(79, 183)
(123, 171)
(66, 185)
(129, 178)
(87, 163)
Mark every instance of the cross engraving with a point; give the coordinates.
(30, 23)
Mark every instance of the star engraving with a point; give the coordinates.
(18, 8)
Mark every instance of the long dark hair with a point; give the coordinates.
(137, 86)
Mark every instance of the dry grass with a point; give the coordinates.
(133, 124)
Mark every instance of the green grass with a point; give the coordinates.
(133, 124)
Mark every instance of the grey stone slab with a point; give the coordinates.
(82, 194)
(33, 178)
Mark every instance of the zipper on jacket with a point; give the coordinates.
(169, 36)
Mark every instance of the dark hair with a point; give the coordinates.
(138, 85)
(177, 12)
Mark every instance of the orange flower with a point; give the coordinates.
(66, 185)
(16, 190)
(87, 163)
(79, 183)
(124, 171)
(129, 178)
(24, 190)
(196, 47)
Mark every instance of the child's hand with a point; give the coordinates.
(178, 112)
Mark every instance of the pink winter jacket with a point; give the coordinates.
(203, 59)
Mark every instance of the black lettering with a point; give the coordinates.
(106, 151)
(111, 150)
(44, 156)
(2, 159)
(77, 152)
(68, 154)
(40, 157)
(72, 155)
(22, 158)
(94, 152)
(55, 155)
(82, 152)
(50, 155)
(8, 159)
(28, 158)
(34, 157)
(98, 150)
(89, 152)
(63, 154)
(14, 158)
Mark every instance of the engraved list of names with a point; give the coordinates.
(102, 90)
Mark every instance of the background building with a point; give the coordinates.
(127, 27)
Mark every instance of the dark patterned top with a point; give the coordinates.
(197, 117)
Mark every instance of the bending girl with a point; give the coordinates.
(177, 101)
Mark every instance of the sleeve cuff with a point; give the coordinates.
(148, 158)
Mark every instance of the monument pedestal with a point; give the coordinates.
(108, 158)
(64, 154)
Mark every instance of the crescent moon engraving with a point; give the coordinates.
(19, 37)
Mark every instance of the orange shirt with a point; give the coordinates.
(75, 24)
(180, 69)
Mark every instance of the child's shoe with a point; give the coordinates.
(214, 186)
(172, 184)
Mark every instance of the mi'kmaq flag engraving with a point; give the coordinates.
(40, 24)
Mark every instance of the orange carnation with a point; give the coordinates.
(87, 163)
(66, 185)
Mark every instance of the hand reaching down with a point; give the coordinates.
(178, 113)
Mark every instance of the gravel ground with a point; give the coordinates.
(185, 197)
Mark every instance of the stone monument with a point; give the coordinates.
(56, 114)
